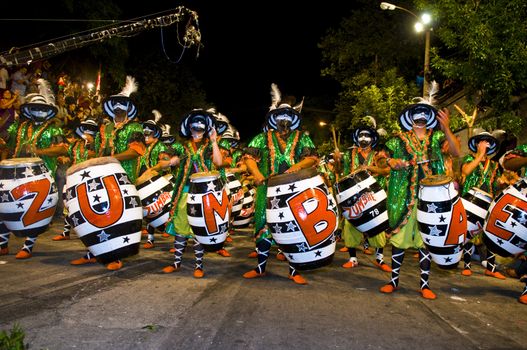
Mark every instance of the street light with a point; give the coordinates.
(422, 24)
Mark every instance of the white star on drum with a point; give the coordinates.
(29, 172)
(124, 179)
(274, 203)
(301, 247)
(92, 185)
(103, 236)
(211, 186)
(291, 226)
(432, 208)
(277, 228)
(434, 231)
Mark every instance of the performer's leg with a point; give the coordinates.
(88, 258)
(150, 240)
(4, 239)
(280, 255)
(263, 247)
(199, 251)
(27, 249)
(66, 233)
(467, 258)
(180, 243)
(397, 261)
(352, 262)
(523, 298)
(379, 260)
(490, 270)
(424, 264)
(295, 276)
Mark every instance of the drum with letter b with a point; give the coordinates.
(363, 202)
(505, 229)
(28, 196)
(208, 209)
(302, 217)
(155, 191)
(476, 203)
(104, 208)
(442, 220)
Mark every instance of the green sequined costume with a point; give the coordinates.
(485, 176)
(151, 156)
(272, 160)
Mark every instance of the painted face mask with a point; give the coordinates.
(420, 117)
(283, 124)
(364, 139)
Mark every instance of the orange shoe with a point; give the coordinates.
(148, 245)
(170, 269)
(388, 288)
(223, 253)
(298, 279)
(253, 254)
(350, 263)
(83, 261)
(164, 234)
(523, 299)
(23, 254)
(228, 239)
(172, 250)
(416, 255)
(368, 251)
(494, 274)
(343, 249)
(114, 265)
(60, 238)
(253, 274)
(466, 272)
(383, 266)
(428, 294)
(281, 257)
(198, 273)
(4, 251)
(144, 232)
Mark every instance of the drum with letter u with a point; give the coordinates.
(476, 203)
(363, 202)
(505, 229)
(302, 217)
(442, 220)
(104, 208)
(208, 209)
(28, 196)
(155, 191)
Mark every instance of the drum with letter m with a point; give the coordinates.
(28, 196)
(302, 217)
(442, 220)
(104, 208)
(208, 209)
(505, 229)
(363, 202)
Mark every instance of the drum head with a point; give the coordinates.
(91, 162)
(145, 177)
(477, 190)
(19, 162)
(436, 180)
(205, 176)
(281, 179)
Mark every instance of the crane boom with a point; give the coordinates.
(191, 37)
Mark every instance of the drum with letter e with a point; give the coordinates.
(363, 202)
(505, 229)
(28, 196)
(104, 208)
(302, 217)
(208, 209)
(442, 220)
(155, 191)
(476, 203)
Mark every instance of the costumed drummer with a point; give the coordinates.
(122, 139)
(415, 153)
(480, 171)
(364, 156)
(281, 149)
(198, 153)
(38, 136)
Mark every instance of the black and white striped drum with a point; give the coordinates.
(28, 196)
(235, 190)
(302, 217)
(476, 203)
(104, 208)
(441, 219)
(505, 229)
(155, 191)
(363, 202)
(208, 209)
(246, 214)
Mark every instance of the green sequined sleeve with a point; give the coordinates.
(346, 163)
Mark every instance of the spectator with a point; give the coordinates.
(4, 77)
(19, 81)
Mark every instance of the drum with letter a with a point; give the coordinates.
(363, 202)
(476, 203)
(104, 208)
(442, 220)
(208, 209)
(28, 196)
(302, 217)
(505, 229)
(155, 191)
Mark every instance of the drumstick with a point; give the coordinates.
(334, 137)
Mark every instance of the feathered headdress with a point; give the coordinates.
(198, 119)
(153, 126)
(122, 100)
(424, 106)
(369, 125)
(88, 126)
(221, 122)
(166, 136)
(40, 106)
(281, 110)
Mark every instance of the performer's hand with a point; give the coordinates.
(212, 134)
(258, 179)
(337, 155)
(482, 148)
(397, 164)
(174, 161)
(444, 119)
(293, 169)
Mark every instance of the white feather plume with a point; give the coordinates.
(429, 98)
(371, 121)
(276, 96)
(130, 87)
(382, 132)
(167, 129)
(299, 106)
(157, 115)
(212, 110)
(44, 88)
